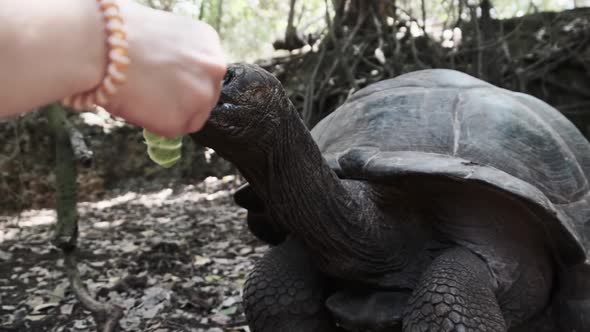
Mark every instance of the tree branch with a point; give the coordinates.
(106, 316)
(66, 229)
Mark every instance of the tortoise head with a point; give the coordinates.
(251, 107)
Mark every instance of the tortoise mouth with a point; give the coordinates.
(242, 109)
(227, 106)
(248, 112)
(225, 101)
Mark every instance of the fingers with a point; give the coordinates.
(176, 76)
(205, 105)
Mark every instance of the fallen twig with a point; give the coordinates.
(106, 316)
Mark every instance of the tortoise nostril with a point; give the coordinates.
(230, 75)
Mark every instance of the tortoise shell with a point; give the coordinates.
(446, 124)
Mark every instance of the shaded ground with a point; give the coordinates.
(174, 259)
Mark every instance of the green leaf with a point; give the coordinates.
(164, 151)
(229, 311)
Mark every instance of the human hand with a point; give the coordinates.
(174, 80)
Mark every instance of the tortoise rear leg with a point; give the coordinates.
(454, 294)
(573, 299)
(286, 293)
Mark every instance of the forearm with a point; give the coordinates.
(50, 50)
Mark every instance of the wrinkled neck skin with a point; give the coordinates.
(336, 219)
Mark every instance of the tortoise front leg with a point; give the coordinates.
(286, 293)
(454, 294)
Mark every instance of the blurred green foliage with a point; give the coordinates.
(249, 27)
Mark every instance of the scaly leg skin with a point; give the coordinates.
(286, 293)
(455, 294)
(573, 299)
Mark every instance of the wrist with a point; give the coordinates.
(70, 35)
(115, 36)
(90, 41)
(53, 49)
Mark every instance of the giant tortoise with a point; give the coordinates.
(433, 201)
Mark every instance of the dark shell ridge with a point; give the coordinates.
(448, 124)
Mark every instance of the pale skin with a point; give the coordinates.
(53, 49)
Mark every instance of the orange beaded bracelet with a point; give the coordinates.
(118, 61)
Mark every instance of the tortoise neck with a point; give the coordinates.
(308, 199)
(293, 174)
